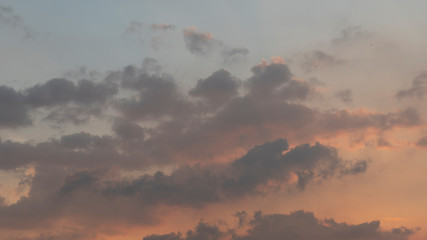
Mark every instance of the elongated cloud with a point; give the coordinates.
(296, 225)
(187, 186)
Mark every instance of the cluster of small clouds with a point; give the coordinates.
(200, 44)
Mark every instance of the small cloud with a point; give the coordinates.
(417, 90)
(318, 59)
(162, 26)
(9, 18)
(199, 43)
(134, 27)
(346, 96)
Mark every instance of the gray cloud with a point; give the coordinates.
(61, 91)
(231, 55)
(60, 192)
(296, 225)
(162, 26)
(134, 27)
(216, 89)
(318, 59)
(268, 77)
(204, 44)
(351, 34)
(13, 110)
(346, 96)
(78, 177)
(157, 95)
(417, 90)
(199, 43)
(65, 101)
(9, 18)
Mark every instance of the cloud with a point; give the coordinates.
(319, 59)
(65, 100)
(350, 35)
(59, 188)
(220, 141)
(216, 89)
(9, 18)
(417, 90)
(204, 44)
(296, 225)
(231, 55)
(199, 43)
(346, 96)
(157, 96)
(134, 27)
(162, 26)
(13, 110)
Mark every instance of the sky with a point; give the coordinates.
(213, 120)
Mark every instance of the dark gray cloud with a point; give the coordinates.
(216, 89)
(296, 225)
(318, 59)
(61, 91)
(13, 110)
(9, 18)
(64, 100)
(346, 96)
(417, 90)
(57, 190)
(268, 77)
(157, 95)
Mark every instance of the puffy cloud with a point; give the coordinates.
(199, 43)
(158, 95)
(216, 89)
(61, 91)
(13, 110)
(155, 124)
(417, 90)
(65, 101)
(296, 225)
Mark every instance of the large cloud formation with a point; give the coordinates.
(220, 140)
